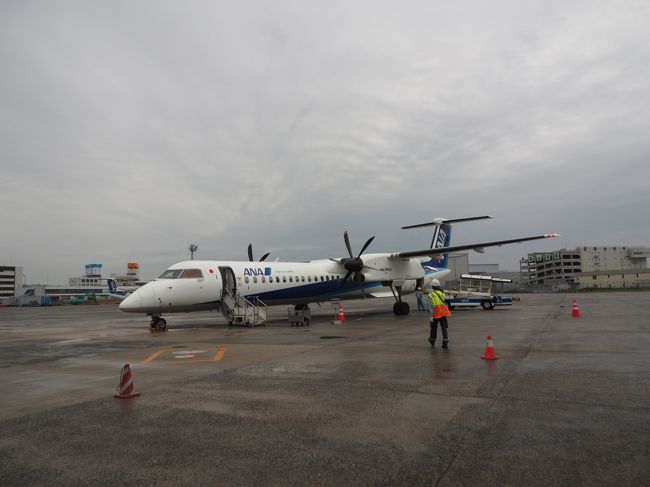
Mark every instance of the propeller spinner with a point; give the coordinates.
(354, 265)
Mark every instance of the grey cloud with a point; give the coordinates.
(131, 129)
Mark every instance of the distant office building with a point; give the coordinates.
(91, 278)
(131, 278)
(567, 267)
(11, 277)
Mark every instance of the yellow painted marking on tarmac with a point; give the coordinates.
(216, 359)
(153, 356)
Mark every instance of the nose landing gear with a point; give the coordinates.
(157, 324)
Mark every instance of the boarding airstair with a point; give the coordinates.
(241, 311)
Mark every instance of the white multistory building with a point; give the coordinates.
(11, 277)
(616, 266)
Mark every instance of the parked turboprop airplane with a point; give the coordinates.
(119, 292)
(241, 290)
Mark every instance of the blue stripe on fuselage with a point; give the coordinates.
(318, 291)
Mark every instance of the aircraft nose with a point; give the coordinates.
(132, 302)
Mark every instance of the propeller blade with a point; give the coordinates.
(347, 276)
(366, 245)
(347, 243)
(250, 252)
(265, 256)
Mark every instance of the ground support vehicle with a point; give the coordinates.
(299, 317)
(477, 290)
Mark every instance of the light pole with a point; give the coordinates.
(193, 248)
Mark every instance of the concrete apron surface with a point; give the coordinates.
(368, 402)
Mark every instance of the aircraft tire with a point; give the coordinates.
(162, 324)
(396, 309)
(404, 308)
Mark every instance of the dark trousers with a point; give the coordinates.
(433, 324)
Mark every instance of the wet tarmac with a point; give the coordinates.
(368, 402)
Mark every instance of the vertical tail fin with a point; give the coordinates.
(112, 288)
(442, 237)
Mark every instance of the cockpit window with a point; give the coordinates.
(171, 274)
(191, 274)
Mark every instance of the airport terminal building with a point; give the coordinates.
(89, 287)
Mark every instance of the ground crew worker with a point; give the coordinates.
(439, 314)
(418, 296)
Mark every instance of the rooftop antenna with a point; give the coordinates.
(193, 248)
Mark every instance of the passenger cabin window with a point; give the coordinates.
(171, 274)
(246, 279)
(255, 279)
(284, 278)
(290, 278)
(191, 274)
(263, 279)
(302, 278)
(308, 278)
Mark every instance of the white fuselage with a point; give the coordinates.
(275, 283)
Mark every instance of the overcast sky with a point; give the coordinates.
(131, 128)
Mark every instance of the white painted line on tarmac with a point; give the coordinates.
(76, 340)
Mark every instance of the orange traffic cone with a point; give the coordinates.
(125, 389)
(575, 312)
(489, 351)
(341, 315)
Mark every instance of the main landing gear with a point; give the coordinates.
(157, 324)
(400, 308)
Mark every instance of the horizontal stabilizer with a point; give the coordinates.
(457, 248)
(440, 221)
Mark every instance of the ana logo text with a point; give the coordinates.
(252, 271)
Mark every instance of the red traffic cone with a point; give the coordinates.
(489, 351)
(125, 389)
(575, 312)
(341, 315)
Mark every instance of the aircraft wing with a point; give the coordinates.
(455, 248)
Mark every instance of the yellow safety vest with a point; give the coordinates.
(439, 305)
